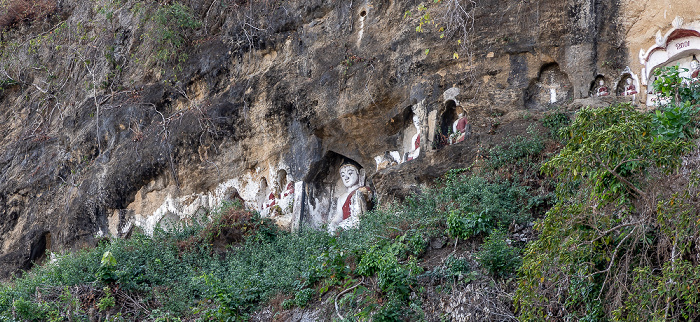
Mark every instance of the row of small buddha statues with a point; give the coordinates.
(602, 90)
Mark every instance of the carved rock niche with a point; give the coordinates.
(278, 200)
(600, 87)
(411, 137)
(449, 116)
(323, 188)
(552, 86)
(400, 142)
(627, 86)
(261, 197)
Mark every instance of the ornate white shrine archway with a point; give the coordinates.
(678, 47)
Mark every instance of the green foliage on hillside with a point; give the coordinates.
(184, 273)
(174, 25)
(618, 244)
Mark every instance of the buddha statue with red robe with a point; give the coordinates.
(602, 89)
(415, 140)
(630, 89)
(460, 128)
(354, 202)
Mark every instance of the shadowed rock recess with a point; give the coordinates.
(125, 115)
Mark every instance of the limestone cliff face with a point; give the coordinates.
(108, 125)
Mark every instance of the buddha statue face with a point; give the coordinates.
(460, 112)
(629, 81)
(350, 175)
(601, 82)
(694, 65)
(416, 121)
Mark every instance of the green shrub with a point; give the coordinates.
(393, 277)
(478, 205)
(596, 153)
(28, 310)
(465, 227)
(107, 301)
(174, 23)
(453, 269)
(674, 122)
(106, 272)
(616, 217)
(303, 297)
(457, 265)
(554, 122)
(521, 151)
(674, 89)
(497, 257)
(393, 311)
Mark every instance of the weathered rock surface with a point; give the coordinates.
(264, 100)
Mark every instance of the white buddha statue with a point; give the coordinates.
(460, 127)
(694, 68)
(353, 203)
(602, 89)
(415, 140)
(630, 89)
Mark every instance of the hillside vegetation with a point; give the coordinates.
(619, 242)
(237, 263)
(592, 215)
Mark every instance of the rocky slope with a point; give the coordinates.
(129, 114)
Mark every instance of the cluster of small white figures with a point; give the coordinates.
(430, 128)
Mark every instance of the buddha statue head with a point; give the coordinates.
(416, 122)
(460, 112)
(351, 175)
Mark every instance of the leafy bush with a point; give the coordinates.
(393, 311)
(674, 122)
(674, 89)
(106, 272)
(604, 228)
(465, 227)
(497, 257)
(678, 98)
(107, 301)
(457, 265)
(174, 24)
(478, 205)
(595, 152)
(554, 122)
(393, 278)
(453, 269)
(521, 151)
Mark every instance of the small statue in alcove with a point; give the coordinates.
(460, 127)
(630, 89)
(602, 89)
(694, 68)
(415, 140)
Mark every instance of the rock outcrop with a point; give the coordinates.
(122, 116)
